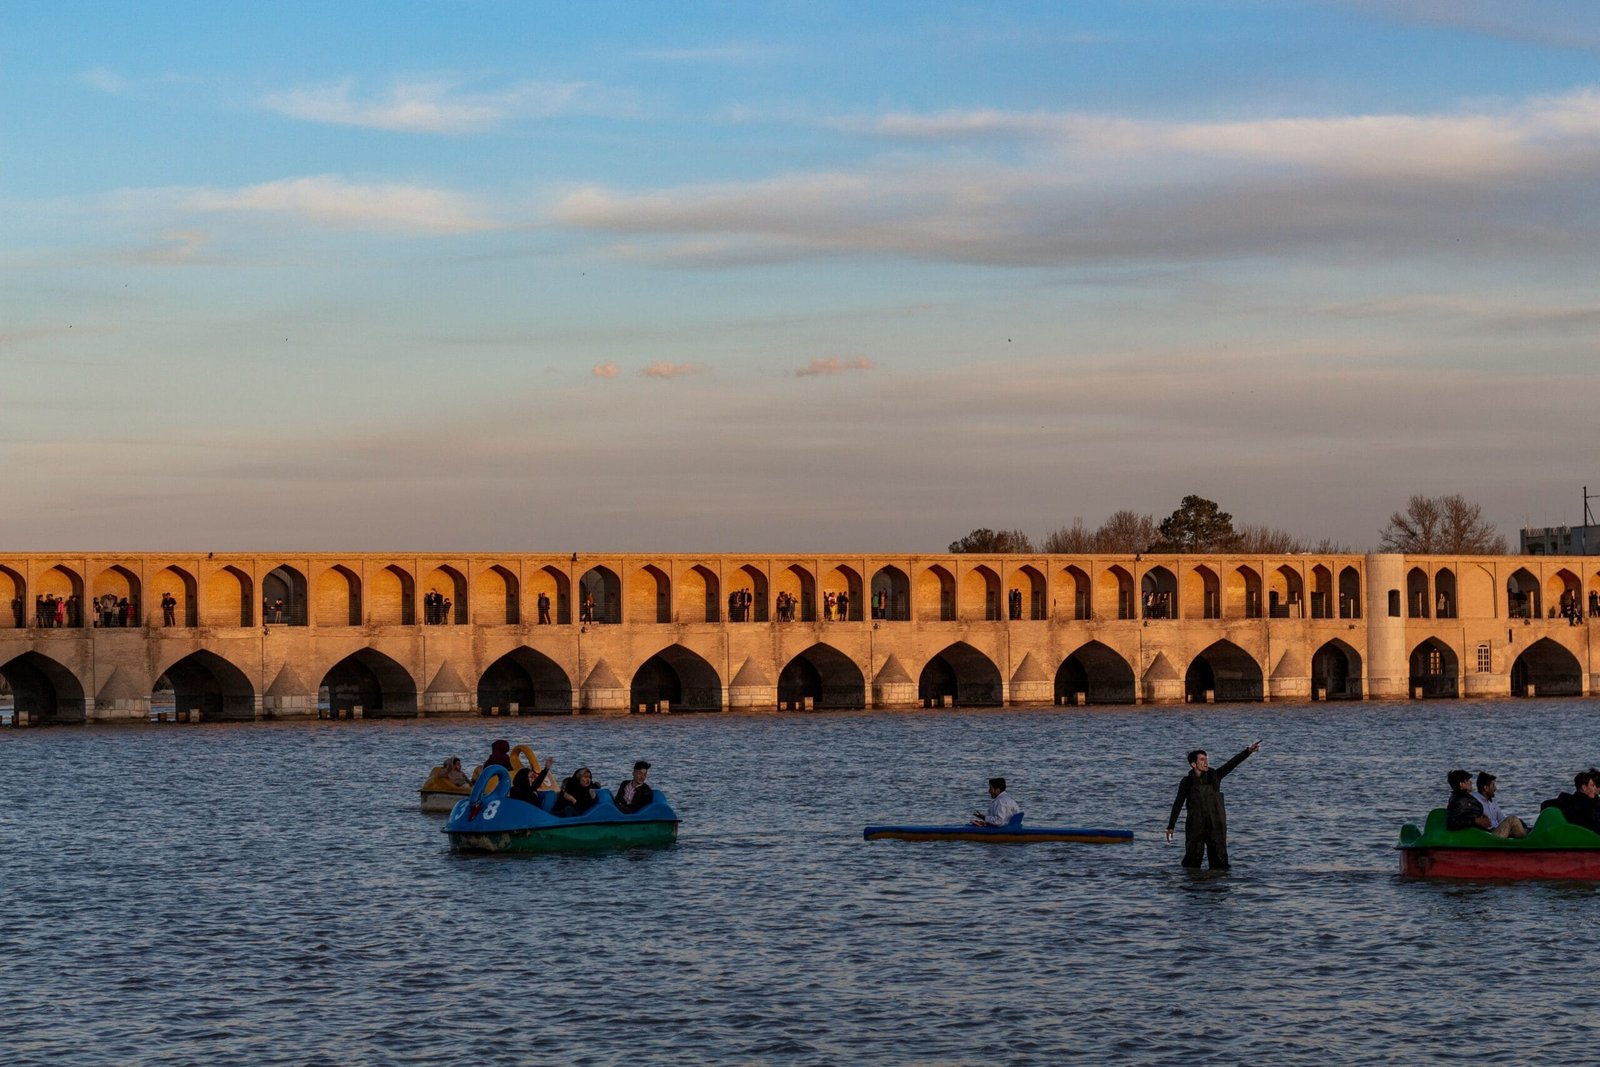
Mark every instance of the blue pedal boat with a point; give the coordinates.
(490, 821)
(1012, 833)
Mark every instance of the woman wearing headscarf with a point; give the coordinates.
(499, 755)
(454, 773)
(577, 793)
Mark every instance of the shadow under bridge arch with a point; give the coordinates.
(825, 676)
(678, 677)
(374, 682)
(204, 680)
(1227, 672)
(531, 680)
(44, 689)
(1095, 674)
(1545, 669)
(960, 676)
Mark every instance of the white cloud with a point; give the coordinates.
(426, 106)
(833, 365)
(607, 369)
(330, 200)
(107, 81)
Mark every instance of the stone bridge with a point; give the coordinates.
(103, 637)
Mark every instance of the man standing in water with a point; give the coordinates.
(1205, 829)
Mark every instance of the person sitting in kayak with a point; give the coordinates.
(1463, 812)
(634, 793)
(525, 784)
(1001, 807)
(1581, 808)
(1500, 824)
(577, 793)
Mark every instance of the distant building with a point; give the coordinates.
(1561, 540)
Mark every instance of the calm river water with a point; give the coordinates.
(269, 894)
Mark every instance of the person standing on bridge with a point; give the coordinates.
(1205, 828)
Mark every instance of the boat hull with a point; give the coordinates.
(439, 802)
(490, 821)
(998, 835)
(1491, 864)
(586, 837)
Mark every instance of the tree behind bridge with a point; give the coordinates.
(985, 540)
(1197, 525)
(1442, 525)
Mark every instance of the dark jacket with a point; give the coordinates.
(642, 796)
(584, 798)
(1463, 812)
(1203, 794)
(1577, 809)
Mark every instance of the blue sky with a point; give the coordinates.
(746, 277)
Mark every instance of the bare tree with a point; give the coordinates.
(1442, 524)
(1126, 531)
(1265, 540)
(1076, 539)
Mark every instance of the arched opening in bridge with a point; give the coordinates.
(1522, 595)
(1444, 593)
(372, 681)
(44, 689)
(529, 679)
(1287, 593)
(679, 677)
(650, 595)
(1349, 593)
(1244, 594)
(1158, 594)
(825, 676)
(1565, 593)
(58, 598)
(1321, 592)
(1075, 594)
(552, 584)
(183, 607)
(338, 597)
(205, 681)
(796, 594)
(1225, 671)
(230, 599)
(1417, 593)
(980, 594)
(394, 597)
(1336, 672)
(699, 595)
(114, 597)
(1435, 671)
(751, 594)
(14, 595)
(283, 597)
(1545, 669)
(1095, 674)
(1201, 594)
(444, 597)
(936, 594)
(961, 676)
(600, 596)
(846, 582)
(1114, 594)
(891, 595)
(497, 597)
(1026, 597)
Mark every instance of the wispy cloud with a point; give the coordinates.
(607, 369)
(1566, 24)
(428, 106)
(731, 52)
(666, 369)
(107, 81)
(330, 200)
(832, 365)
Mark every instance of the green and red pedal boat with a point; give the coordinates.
(1553, 849)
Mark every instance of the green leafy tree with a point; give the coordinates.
(1442, 524)
(1197, 525)
(985, 540)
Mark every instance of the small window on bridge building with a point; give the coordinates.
(1394, 603)
(1484, 660)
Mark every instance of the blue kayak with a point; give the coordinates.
(1013, 833)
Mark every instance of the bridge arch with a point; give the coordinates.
(1201, 594)
(980, 594)
(338, 597)
(119, 584)
(846, 580)
(1445, 599)
(45, 689)
(752, 580)
(1563, 590)
(677, 675)
(553, 584)
(891, 594)
(1417, 594)
(283, 596)
(1522, 595)
(936, 594)
(204, 680)
(699, 595)
(1075, 596)
(1546, 669)
(179, 584)
(382, 687)
(13, 599)
(824, 674)
(800, 586)
(528, 678)
(66, 586)
(1336, 670)
(1227, 671)
(600, 595)
(1435, 670)
(446, 582)
(1158, 594)
(1098, 673)
(962, 673)
(229, 599)
(649, 595)
(1286, 594)
(1029, 582)
(1113, 598)
(1321, 592)
(394, 597)
(1243, 594)
(497, 597)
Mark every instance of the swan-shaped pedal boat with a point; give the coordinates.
(1553, 849)
(489, 820)
(1012, 833)
(440, 793)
